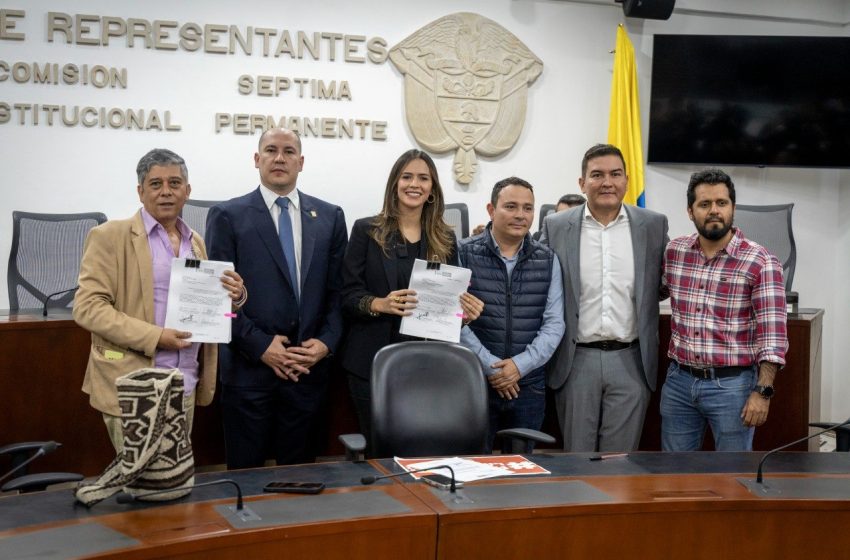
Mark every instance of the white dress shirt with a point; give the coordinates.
(607, 271)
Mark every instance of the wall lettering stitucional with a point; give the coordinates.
(88, 117)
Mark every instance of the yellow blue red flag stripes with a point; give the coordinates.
(624, 121)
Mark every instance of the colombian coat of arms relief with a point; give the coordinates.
(466, 84)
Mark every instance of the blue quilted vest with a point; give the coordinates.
(513, 307)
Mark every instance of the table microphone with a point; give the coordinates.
(126, 497)
(802, 439)
(51, 296)
(372, 478)
(46, 447)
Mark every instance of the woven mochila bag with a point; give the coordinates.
(157, 454)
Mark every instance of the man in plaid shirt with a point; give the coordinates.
(728, 326)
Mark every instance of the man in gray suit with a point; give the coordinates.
(611, 256)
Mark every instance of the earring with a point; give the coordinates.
(431, 198)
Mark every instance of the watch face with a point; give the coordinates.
(765, 391)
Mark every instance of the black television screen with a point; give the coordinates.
(746, 100)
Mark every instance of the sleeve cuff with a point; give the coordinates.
(242, 298)
(522, 365)
(365, 306)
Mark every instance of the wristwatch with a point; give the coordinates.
(766, 391)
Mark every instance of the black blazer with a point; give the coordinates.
(367, 271)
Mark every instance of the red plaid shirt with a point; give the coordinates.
(728, 310)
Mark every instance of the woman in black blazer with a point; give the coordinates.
(378, 264)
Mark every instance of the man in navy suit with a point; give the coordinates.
(288, 247)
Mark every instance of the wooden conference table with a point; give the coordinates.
(42, 362)
(645, 505)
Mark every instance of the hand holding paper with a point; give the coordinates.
(397, 302)
(472, 307)
(234, 285)
(171, 339)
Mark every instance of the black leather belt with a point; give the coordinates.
(607, 345)
(714, 372)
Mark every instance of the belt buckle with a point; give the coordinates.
(605, 345)
(703, 372)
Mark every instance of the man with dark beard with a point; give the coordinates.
(728, 325)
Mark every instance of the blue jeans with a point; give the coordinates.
(525, 411)
(688, 403)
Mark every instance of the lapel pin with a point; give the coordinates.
(312, 213)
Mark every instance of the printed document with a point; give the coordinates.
(438, 314)
(197, 301)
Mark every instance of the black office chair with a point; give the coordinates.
(24, 452)
(545, 210)
(45, 257)
(195, 214)
(430, 399)
(457, 216)
(770, 226)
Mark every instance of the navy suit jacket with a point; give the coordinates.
(242, 231)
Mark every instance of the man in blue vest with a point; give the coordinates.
(519, 281)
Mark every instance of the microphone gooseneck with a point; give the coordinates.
(126, 497)
(370, 479)
(51, 296)
(46, 447)
(759, 477)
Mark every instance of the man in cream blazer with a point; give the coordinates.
(123, 289)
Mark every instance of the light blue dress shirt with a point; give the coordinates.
(548, 337)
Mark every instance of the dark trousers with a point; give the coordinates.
(525, 411)
(276, 421)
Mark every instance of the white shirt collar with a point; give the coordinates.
(269, 197)
(621, 215)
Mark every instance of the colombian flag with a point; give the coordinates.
(624, 121)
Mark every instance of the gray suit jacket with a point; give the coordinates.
(562, 232)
